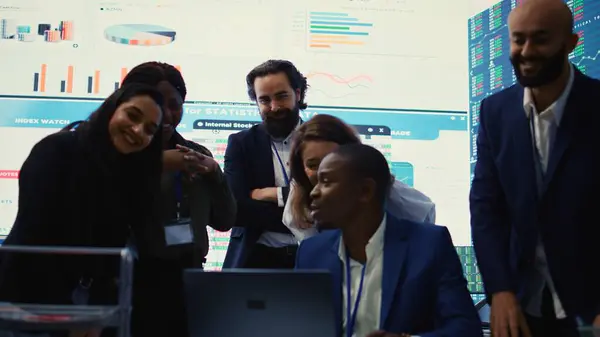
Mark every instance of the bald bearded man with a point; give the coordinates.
(532, 201)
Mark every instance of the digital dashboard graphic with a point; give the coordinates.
(340, 86)
(329, 30)
(11, 29)
(407, 102)
(403, 136)
(490, 70)
(68, 80)
(140, 34)
(216, 52)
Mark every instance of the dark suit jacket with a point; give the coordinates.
(159, 306)
(424, 291)
(248, 166)
(206, 199)
(507, 216)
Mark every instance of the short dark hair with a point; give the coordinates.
(152, 73)
(271, 67)
(321, 127)
(366, 162)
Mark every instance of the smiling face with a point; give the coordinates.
(278, 104)
(134, 124)
(540, 42)
(173, 109)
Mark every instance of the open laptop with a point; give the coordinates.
(266, 303)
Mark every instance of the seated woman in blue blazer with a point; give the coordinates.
(395, 277)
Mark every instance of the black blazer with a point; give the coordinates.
(65, 199)
(207, 200)
(248, 166)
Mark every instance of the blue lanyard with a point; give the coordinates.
(351, 316)
(178, 187)
(285, 176)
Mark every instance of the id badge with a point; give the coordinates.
(179, 233)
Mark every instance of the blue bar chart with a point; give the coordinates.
(330, 30)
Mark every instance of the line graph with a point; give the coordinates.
(404, 172)
(486, 36)
(351, 82)
(335, 86)
(587, 58)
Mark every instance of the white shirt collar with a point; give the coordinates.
(374, 246)
(557, 107)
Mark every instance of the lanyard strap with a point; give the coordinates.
(178, 187)
(283, 171)
(351, 315)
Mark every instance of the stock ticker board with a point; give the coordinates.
(490, 71)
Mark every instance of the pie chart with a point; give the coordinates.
(140, 34)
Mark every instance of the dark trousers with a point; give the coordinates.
(263, 257)
(548, 325)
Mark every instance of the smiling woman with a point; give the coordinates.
(93, 184)
(134, 124)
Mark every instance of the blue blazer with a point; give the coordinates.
(248, 166)
(424, 291)
(507, 213)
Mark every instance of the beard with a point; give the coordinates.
(551, 68)
(280, 128)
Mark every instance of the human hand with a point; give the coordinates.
(305, 225)
(381, 333)
(195, 162)
(506, 317)
(264, 194)
(173, 160)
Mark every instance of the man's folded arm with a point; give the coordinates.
(262, 215)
